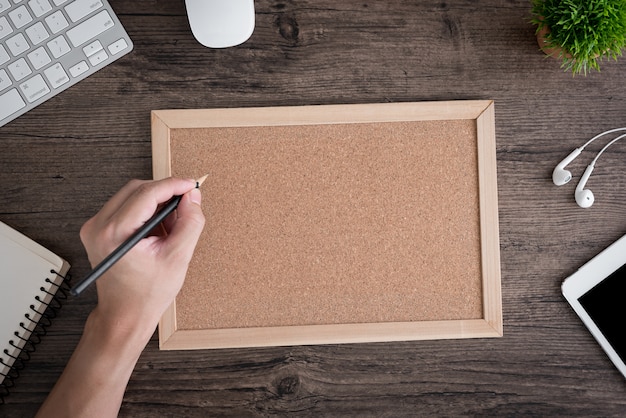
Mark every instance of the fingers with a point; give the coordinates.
(109, 208)
(118, 199)
(142, 203)
(131, 207)
(186, 228)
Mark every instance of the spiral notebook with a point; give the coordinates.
(32, 282)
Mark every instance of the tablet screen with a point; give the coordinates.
(606, 305)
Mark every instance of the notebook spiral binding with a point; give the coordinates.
(37, 329)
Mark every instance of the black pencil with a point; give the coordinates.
(127, 245)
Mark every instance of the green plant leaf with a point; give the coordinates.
(586, 30)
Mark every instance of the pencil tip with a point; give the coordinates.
(201, 180)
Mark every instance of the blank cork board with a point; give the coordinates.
(336, 224)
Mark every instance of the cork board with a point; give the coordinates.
(336, 224)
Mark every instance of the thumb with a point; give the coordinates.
(186, 229)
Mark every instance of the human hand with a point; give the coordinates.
(132, 294)
(136, 291)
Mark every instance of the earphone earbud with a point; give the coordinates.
(584, 197)
(560, 175)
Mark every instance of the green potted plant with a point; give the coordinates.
(580, 32)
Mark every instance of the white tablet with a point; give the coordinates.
(597, 292)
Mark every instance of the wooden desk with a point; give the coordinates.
(63, 160)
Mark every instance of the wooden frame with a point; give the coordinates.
(482, 112)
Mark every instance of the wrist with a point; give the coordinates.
(95, 378)
(123, 333)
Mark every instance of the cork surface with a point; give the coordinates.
(333, 224)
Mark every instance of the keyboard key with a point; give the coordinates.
(4, 5)
(5, 81)
(20, 16)
(90, 28)
(4, 55)
(5, 27)
(59, 2)
(37, 33)
(56, 22)
(79, 68)
(35, 88)
(92, 48)
(98, 58)
(17, 44)
(19, 69)
(39, 7)
(10, 102)
(81, 8)
(118, 46)
(58, 46)
(39, 58)
(56, 75)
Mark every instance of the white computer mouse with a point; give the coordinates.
(221, 23)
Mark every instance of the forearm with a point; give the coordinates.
(96, 376)
(131, 296)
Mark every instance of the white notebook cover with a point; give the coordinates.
(24, 268)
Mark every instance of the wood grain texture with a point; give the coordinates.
(63, 160)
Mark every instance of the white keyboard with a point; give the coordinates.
(47, 46)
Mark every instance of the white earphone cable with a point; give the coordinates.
(601, 135)
(606, 146)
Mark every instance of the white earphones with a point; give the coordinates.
(584, 197)
(560, 176)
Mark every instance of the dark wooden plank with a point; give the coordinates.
(61, 162)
